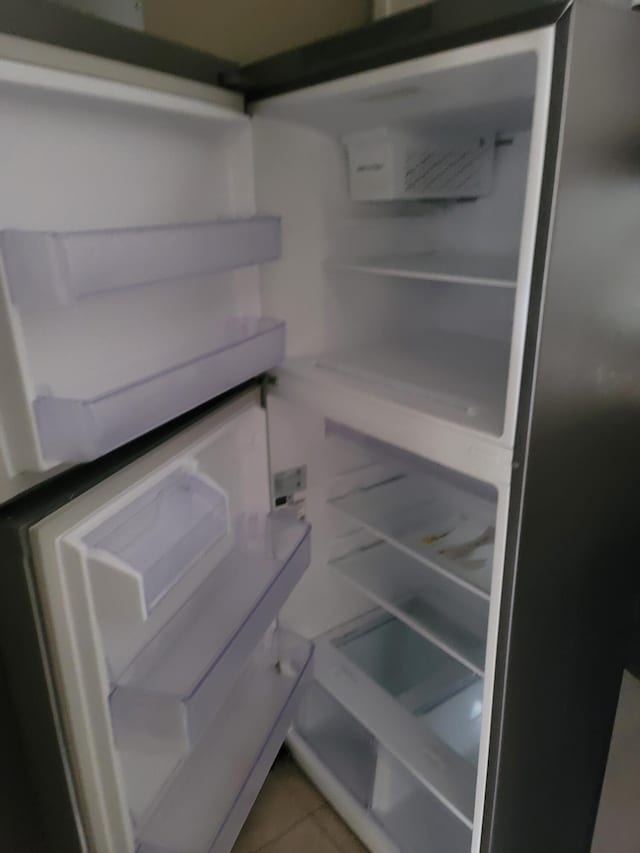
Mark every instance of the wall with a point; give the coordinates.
(382, 8)
(125, 12)
(244, 30)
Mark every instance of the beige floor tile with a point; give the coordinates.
(304, 837)
(338, 831)
(273, 814)
(303, 792)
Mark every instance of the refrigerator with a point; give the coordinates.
(319, 417)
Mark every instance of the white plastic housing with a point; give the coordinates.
(386, 164)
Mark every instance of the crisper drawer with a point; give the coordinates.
(422, 705)
(391, 808)
(116, 332)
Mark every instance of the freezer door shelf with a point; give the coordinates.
(422, 706)
(46, 268)
(202, 809)
(77, 430)
(166, 698)
(384, 803)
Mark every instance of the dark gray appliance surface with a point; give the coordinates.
(441, 25)
(43, 21)
(567, 603)
(43, 785)
(21, 830)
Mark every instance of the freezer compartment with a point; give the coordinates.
(447, 614)
(329, 740)
(75, 430)
(145, 548)
(48, 268)
(203, 807)
(434, 516)
(422, 301)
(166, 698)
(422, 705)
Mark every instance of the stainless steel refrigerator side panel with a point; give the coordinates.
(49, 791)
(20, 828)
(570, 554)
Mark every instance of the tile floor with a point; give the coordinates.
(291, 816)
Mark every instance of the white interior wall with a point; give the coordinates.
(301, 173)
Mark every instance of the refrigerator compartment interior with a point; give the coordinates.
(48, 268)
(477, 268)
(75, 430)
(344, 746)
(138, 554)
(165, 699)
(203, 806)
(411, 815)
(391, 680)
(459, 378)
(444, 520)
(450, 616)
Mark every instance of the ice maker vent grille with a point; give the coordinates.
(456, 171)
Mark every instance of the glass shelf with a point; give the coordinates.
(459, 378)
(166, 698)
(448, 615)
(46, 268)
(203, 807)
(440, 525)
(77, 430)
(450, 267)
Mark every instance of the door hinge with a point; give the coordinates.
(267, 380)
